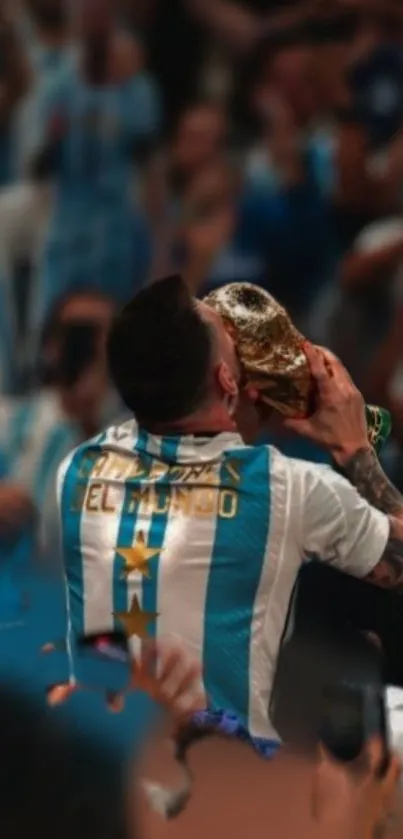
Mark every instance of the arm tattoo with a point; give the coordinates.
(388, 573)
(366, 474)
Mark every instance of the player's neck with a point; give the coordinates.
(209, 421)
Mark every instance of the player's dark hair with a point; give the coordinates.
(160, 353)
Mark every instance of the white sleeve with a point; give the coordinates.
(337, 525)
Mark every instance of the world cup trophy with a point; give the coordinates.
(270, 350)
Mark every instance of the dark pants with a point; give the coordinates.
(328, 598)
(324, 646)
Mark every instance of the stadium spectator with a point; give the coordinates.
(97, 118)
(237, 139)
(73, 403)
(13, 85)
(46, 32)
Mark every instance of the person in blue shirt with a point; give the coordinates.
(50, 48)
(14, 84)
(290, 182)
(36, 433)
(72, 403)
(9, 368)
(238, 229)
(98, 116)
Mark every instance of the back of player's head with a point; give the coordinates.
(160, 353)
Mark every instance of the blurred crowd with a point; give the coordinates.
(234, 140)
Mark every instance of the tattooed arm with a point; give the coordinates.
(355, 524)
(365, 473)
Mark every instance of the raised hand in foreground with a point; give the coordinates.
(167, 672)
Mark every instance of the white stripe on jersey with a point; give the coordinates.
(99, 542)
(184, 572)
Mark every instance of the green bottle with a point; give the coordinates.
(379, 424)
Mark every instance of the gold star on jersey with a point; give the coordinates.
(137, 557)
(135, 621)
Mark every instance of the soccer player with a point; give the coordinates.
(171, 526)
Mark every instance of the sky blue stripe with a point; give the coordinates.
(71, 514)
(71, 544)
(156, 535)
(126, 534)
(236, 566)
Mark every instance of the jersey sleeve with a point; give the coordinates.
(337, 525)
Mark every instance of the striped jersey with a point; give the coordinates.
(97, 235)
(35, 436)
(208, 534)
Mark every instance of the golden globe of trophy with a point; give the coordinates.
(270, 350)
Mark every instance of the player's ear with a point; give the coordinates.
(228, 386)
(226, 379)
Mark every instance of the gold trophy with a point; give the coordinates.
(271, 353)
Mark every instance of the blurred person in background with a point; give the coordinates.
(47, 26)
(46, 29)
(344, 781)
(73, 403)
(56, 776)
(370, 287)
(291, 180)
(198, 141)
(176, 48)
(24, 216)
(14, 83)
(277, 237)
(208, 240)
(374, 74)
(9, 367)
(57, 779)
(97, 119)
(379, 279)
(234, 788)
(309, 163)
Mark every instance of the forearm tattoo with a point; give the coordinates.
(366, 474)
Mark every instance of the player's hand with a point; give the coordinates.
(171, 675)
(339, 423)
